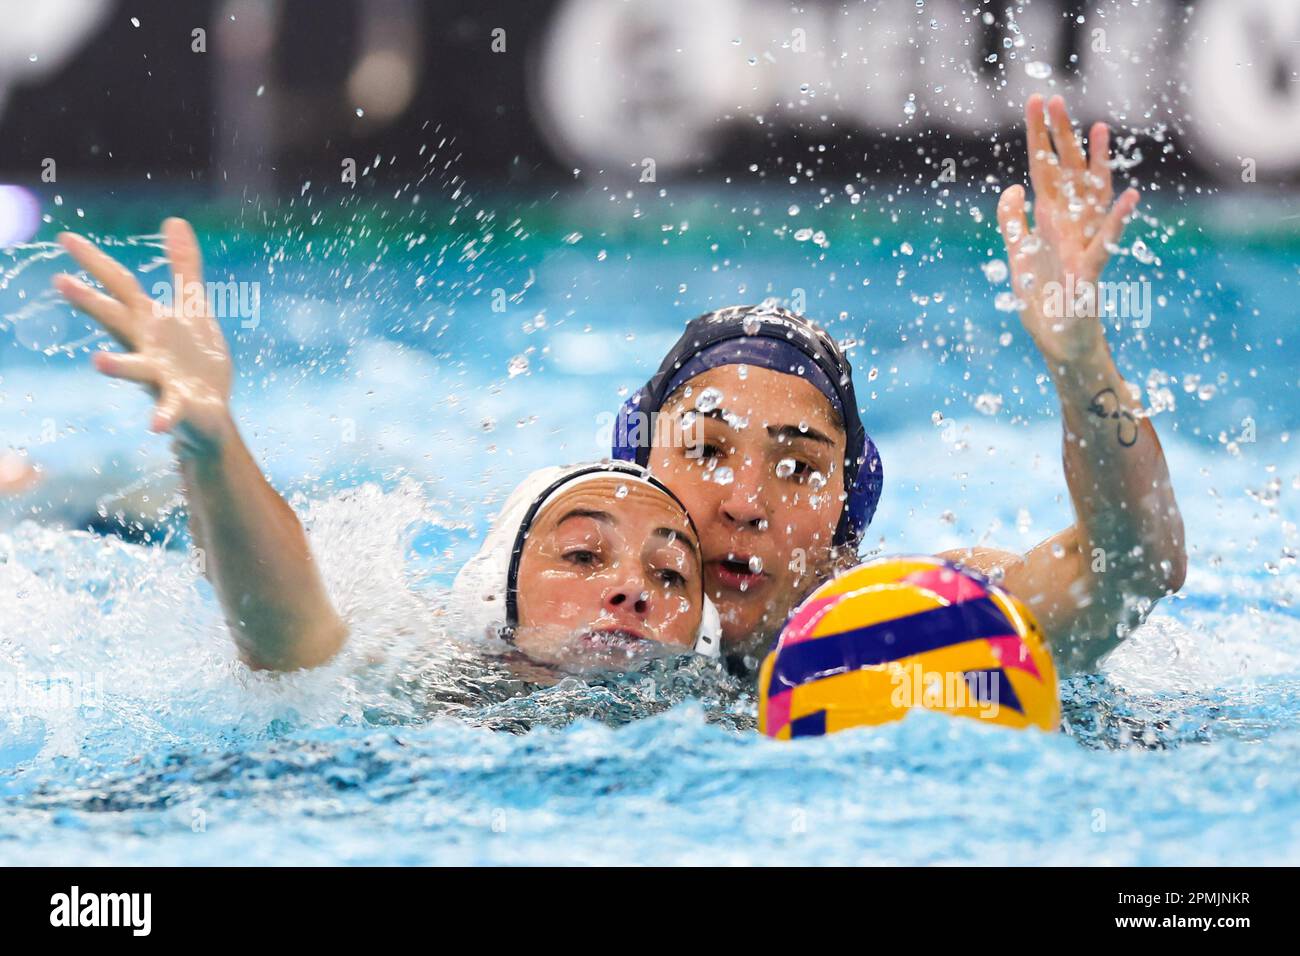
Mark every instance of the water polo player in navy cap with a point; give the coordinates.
(752, 420)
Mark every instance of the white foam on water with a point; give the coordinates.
(102, 633)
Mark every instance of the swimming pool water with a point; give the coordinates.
(377, 389)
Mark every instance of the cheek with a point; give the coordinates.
(675, 619)
(804, 525)
(689, 482)
(674, 467)
(559, 600)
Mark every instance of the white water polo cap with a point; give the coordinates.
(485, 594)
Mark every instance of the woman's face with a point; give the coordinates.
(757, 457)
(610, 572)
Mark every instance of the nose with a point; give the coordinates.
(629, 598)
(742, 506)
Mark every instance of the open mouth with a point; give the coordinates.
(737, 572)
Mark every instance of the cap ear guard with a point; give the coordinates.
(708, 640)
(863, 496)
(627, 443)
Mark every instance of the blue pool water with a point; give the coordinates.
(383, 392)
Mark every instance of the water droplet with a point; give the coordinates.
(1038, 70)
(518, 366)
(785, 467)
(723, 476)
(1006, 302)
(708, 400)
(995, 270)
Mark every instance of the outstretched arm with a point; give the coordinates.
(255, 551)
(1092, 582)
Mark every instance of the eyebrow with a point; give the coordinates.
(776, 431)
(675, 534)
(670, 534)
(794, 431)
(604, 516)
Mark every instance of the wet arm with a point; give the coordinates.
(1091, 583)
(256, 555)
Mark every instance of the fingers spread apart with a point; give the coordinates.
(133, 367)
(116, 318)
(1063, 136)
(1044, 172)
(114, 276)
(1112, 228)
(1011, 216)
(182, 251)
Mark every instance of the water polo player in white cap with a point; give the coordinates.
(592, 565)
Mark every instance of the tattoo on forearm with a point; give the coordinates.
(1105, 404)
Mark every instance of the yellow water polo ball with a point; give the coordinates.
(899, 633)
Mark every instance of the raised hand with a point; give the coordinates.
(1076, 228)
(177, 353)
(257, 555)
(1124, 506)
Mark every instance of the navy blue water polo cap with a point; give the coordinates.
(770, 337)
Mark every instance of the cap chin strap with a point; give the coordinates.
(708, 641)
